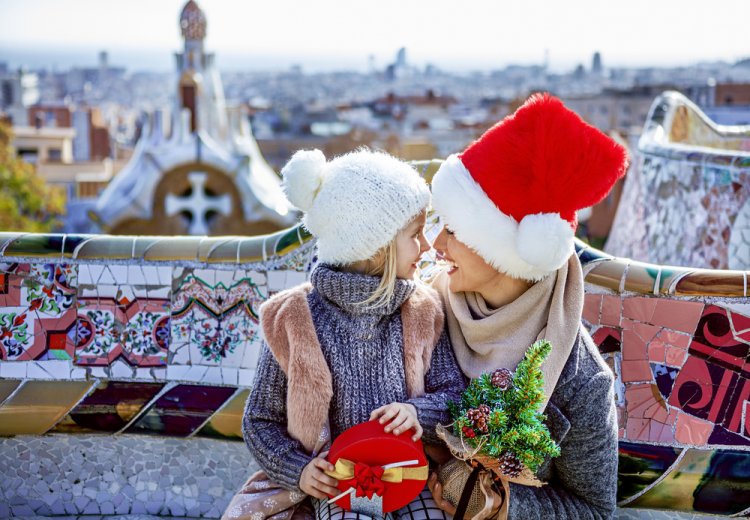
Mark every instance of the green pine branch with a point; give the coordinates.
(514, 423)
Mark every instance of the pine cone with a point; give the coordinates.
(502, 378)
(481, 425)
(478, 419)
(484, 409)
(510, 466)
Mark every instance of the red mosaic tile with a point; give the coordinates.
(592, 304)
(633, 347)
(637, 429)
(660, 432)
(675, 357)
(638, 398)
(740, 325)
(714, 339)
(675, 338)
(608, 339)
(610, 310)
(656, 351)
(691, 430)
(636, 371)
(645, 331)
(639, 308)
(734, 417)
(677, 315)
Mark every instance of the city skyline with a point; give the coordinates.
(330, 36)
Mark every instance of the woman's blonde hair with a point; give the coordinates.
(383, 264)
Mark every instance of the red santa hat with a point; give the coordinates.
(513, 194)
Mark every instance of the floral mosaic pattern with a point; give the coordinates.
(683, 366)
(123, 312)
(138, 331)
(215, 318)
(38, 311)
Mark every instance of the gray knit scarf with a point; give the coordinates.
(346, 290)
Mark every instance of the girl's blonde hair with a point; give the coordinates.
(383, 264)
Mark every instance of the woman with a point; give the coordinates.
(509, 203)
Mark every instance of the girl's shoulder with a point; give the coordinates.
(422, 309)
(426, 297)
(285, 318)
(285, 301)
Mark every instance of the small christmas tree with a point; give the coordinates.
(498, 415)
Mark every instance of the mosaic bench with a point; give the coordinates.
(686, 199)
(125, 363)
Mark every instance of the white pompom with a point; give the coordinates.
(302, 177)
(545, 241)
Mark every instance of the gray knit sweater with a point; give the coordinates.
(581, 417)
(364, 349)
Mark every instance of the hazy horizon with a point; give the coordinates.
(161, 60)
(330, 35)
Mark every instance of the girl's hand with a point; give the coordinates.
(315, 482)
(400, 418)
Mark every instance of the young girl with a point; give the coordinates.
(362, 340)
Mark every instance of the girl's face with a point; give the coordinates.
(411, 244)
(468, 271)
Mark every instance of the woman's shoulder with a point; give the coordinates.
(584, 365)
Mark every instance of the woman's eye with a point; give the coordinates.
(449, 231)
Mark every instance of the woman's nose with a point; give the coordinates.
(440, 241)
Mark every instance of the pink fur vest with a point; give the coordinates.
(289, 331)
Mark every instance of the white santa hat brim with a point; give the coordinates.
(532, 249)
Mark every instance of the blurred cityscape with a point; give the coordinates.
(80, 127)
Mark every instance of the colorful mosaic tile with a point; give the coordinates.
(38, 405)
(182, 410)
(39, 311)
(712, 482)
(683, 367)
(215, 318)
(681, 207)
(640, 465)
(227, 422)
(123, 312)
(109, 407)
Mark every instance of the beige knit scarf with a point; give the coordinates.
(487, 339)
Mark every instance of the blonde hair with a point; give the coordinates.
(383, 264)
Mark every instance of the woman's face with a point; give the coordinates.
(468, 271)
(411, 244)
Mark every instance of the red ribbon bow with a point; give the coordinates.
(367, 480)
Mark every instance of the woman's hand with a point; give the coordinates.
(436, 488)
(315, 482)
(400, 418)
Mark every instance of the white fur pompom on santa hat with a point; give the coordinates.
(356, 203)
(513, 194)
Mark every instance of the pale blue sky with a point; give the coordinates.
(482, 33)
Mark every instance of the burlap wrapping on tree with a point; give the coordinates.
(486, 496)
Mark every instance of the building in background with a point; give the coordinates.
(207, 176)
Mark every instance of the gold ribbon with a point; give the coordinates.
(344, 470)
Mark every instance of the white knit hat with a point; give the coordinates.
(355, 204)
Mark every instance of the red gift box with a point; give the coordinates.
(378, 472)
